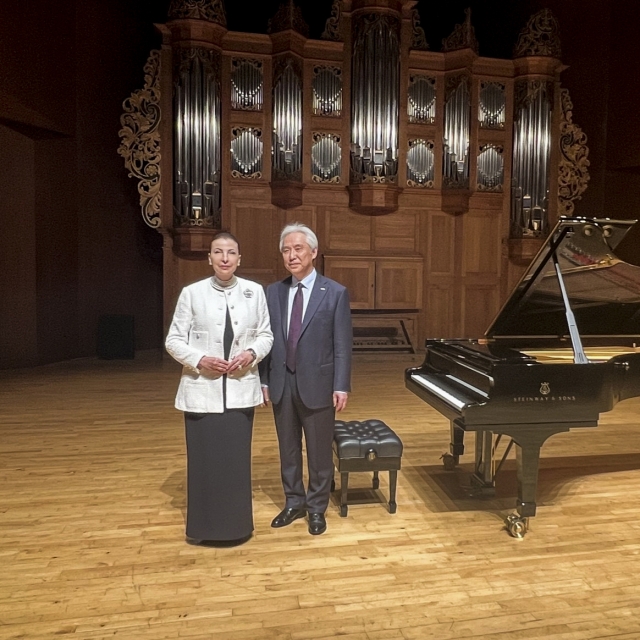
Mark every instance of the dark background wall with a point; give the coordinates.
(73, 245)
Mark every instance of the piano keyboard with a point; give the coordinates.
(438, 391)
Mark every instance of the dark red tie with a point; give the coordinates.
(295, 326)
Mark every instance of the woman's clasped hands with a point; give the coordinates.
(222, 366)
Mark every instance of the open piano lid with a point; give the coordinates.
(603, 291)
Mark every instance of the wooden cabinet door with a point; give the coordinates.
(398, 283)
(358, 275)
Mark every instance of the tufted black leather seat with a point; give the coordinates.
(368, 445)
(356, 439)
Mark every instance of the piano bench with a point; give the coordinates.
(368, 446)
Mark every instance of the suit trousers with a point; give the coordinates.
(292, 418)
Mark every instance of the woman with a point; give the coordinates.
(219, 333)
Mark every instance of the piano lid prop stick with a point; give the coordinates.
(578, 352)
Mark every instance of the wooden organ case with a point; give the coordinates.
(430, 177)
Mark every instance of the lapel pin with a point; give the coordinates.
(322, 289)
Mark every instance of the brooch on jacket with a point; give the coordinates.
(248, 293)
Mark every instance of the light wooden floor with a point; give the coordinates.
(92, 526)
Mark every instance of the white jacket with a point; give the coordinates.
(197, 330)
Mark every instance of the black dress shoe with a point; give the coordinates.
(317, 524)
(287, 516)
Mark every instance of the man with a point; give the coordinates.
(307, 375)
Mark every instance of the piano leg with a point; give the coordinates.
(483, 479)
(484, 457)
(527, 464)
(456, 447)
(528, 441)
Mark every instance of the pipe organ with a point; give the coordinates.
(375, 94)
(430, 177)
(457, 122)
(531, 156)
(196, 138)
(287, 121)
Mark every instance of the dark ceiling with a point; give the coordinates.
(496, 22)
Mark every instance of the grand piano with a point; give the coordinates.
(563, 349)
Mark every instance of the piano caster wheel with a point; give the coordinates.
(517, 525)
(449, 462)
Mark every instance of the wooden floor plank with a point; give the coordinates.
(92, 509)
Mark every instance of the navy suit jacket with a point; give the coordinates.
(323, 355)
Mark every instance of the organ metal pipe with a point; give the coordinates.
(457, 122)
(531, 157)
(420, 163)
(421, 105)
(491, 106)
(197, 138)
(327, 91)
(326, 158)
(246, 153)
(375, 98)
(490, 168)
(247, 85)
(287, 130)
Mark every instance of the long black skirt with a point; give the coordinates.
(219, 501)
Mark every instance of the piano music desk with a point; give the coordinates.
(595, 354)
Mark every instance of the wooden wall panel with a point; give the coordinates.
(305, 215)
(347, 231)
(190, 271)
(481, 245)
(439, 310)
(399, 284)
(258, 231)
(440, 254)
(397, 232)
(357, 275)
(479, 307)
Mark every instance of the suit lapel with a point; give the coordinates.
(317, 294)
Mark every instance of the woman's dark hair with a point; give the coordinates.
(225, 235)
